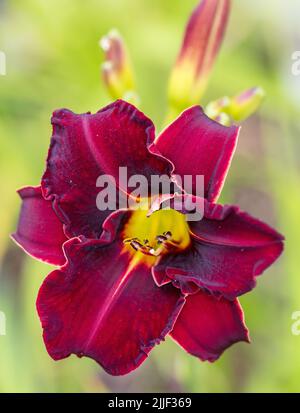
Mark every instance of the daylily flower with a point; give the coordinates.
(129, 278)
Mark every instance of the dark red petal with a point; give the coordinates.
(83, 147)
(40, 232)
(207, 326)
(102, 305)
(230, 248)
(198, 145)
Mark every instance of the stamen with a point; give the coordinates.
(129, 240)
(161, 238)
(136, 245)
(158, 251)
(164, 237)
(163, 243)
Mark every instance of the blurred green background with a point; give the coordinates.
(53, 61)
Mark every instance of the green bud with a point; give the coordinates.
(246, 103)
(117, 72)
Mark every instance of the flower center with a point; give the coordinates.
(163, 232)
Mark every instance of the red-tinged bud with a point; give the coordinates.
(246, 103)
(237, 108)
(213, 109)
(202, 40)
(223, 119)
(117, 70)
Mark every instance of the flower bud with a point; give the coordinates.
(202, 40)
(237, 108)
(116, 70)
(215, 108)
(246, 103)
(223, 119)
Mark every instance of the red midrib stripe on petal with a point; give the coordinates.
(111, 299)
(232, 244)
(215, 185)
(94, 152)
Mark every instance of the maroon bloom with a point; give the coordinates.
(129, 278)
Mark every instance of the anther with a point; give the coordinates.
(136, 245)
(129, 240)
(162, 243)
(164, 237)
(161, 238)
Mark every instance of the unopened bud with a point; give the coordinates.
(202, 40)
(246, 103)
(117, 70)
(237, 108)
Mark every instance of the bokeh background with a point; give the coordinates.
(53, 61)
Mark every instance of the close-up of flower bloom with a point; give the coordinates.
(128, 278)
(149, 165)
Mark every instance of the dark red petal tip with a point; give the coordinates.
(207, 326)
(229, 250)
(39, 232)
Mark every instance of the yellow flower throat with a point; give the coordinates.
(148, 237)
